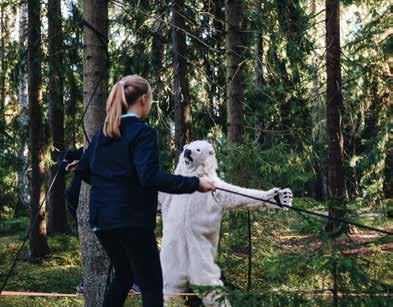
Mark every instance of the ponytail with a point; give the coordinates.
(115, 104)
(122, 94)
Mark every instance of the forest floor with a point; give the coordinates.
(293, 262)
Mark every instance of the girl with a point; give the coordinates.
(121, 165)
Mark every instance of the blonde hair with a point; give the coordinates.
(124, 93)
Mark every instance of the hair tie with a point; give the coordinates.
(121, 82)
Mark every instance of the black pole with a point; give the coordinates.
(249, 251)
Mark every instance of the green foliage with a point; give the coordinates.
(255, 166)
(368, 130)
(8, 179)
(61, 272)
(292, 256)
(284, 140)
(290, 259)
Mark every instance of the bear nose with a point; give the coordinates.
(187, 153)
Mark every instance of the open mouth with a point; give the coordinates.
(187, 158)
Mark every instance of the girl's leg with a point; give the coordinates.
(141, 247)
(123, 277)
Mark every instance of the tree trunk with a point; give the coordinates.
(94, 259)
(259, 78)
(234, 97)
(318, 116)
(158, 52)
(219, 109)
(234, 72)
(181, 96)
(70, 110)
(38, 243)
(334, 101)
(23, 197)
(3, 71)
(57, 221)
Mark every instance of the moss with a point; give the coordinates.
(289, 253)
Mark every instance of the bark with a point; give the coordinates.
(220, 114)
(38, 242)
(259, 78)
(94, 259)
(57, 221)
(335, 111)
(181, 96)
(74, 90)
(23, 197)
(70, 110)
(318, 117)
(234, 73)
(234, 97)
(4, 64)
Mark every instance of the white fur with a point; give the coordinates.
(192, 223)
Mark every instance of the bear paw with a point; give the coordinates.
(285, 196)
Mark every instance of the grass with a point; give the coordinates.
(290, 256)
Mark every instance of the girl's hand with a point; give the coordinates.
(206, 184)
(72, 166)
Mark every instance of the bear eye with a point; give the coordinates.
(210, 152)
(198, 149)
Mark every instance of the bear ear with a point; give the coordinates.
(185, 146)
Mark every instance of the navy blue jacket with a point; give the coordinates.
(72, 192)
(125, 177)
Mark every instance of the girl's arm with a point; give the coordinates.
(83, 168)
(146, 159)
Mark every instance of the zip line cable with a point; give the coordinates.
(337, 219)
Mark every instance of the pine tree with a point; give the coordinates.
(234, 74)
(95, 261)
(57, 221)
(181, 95)
(23, 197)
(335, 112)
(38, 242)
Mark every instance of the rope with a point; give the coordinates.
(330, 218)
(327, 293)
(103, 39)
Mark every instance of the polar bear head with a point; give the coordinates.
(198, 158)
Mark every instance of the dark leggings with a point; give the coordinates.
(134, 255)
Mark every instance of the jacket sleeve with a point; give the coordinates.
(61, 163)
(83, 168)
(146, 161)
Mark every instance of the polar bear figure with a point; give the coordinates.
(191, 223)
